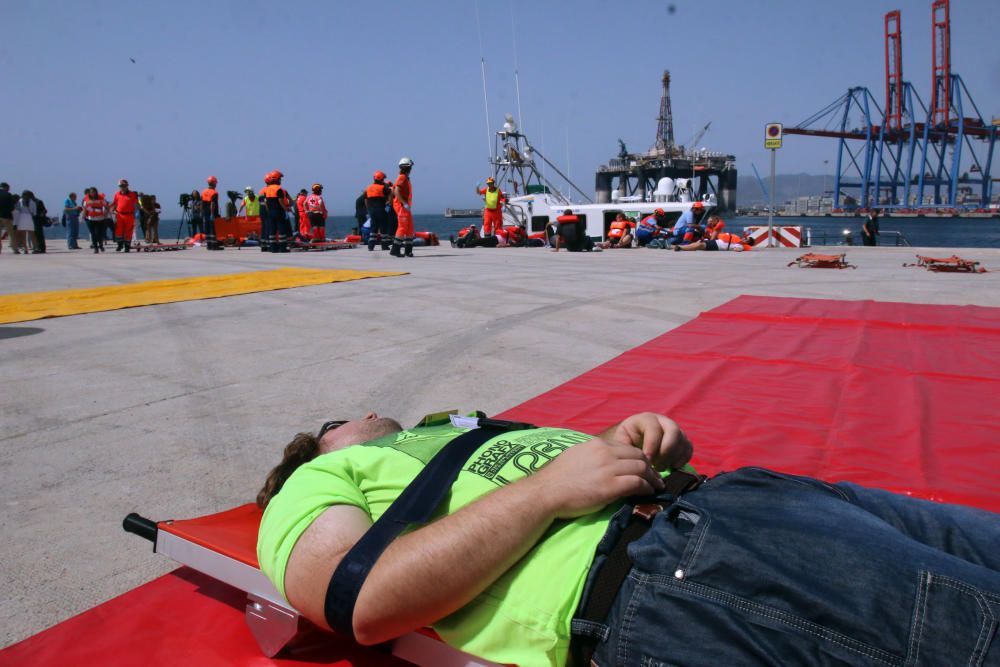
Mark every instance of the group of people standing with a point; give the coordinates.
(23, 219)
(115, 217)
(386, 207)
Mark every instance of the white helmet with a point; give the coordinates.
(405, 162)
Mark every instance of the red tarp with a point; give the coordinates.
(895, 395)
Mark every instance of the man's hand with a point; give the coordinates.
(659, 438)
(588, 476)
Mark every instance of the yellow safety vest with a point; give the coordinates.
(252, 207)
(492, 198)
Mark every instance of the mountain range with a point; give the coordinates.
(787, 187)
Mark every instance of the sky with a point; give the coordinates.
(330, 91)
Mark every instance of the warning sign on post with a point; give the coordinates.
(772, 135)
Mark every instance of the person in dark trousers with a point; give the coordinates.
(277, 201)
(209, 212)
(376, 200)
(41, 220)
(869, 230)
(7, 201)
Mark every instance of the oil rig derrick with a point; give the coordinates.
(908, 155)
(694, 173)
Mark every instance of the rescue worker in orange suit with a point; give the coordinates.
(620, 233)
(402, 203)
(209, 212)
(278, 203)
(315, 212)
(266, 227)
(494, 199)
(124, 204)
(377, 196)
(301, 219)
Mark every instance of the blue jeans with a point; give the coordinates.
(72, 231)
(761, 568)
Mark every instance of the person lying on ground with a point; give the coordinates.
(751, 567)
(723, 241)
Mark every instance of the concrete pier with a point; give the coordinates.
(181, 409)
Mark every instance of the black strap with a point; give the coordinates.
(617, 565)
(416, 504)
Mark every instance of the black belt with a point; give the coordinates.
(617, 565)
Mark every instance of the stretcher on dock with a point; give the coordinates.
(223, 546)
(953, 264)
(798, 385)
(314, 246)
(812, 260)
(161, 247)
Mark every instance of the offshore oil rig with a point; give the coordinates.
(635, 175)
(906, 156)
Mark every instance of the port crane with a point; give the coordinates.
(908, 153)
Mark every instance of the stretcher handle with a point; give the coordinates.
(141, 526)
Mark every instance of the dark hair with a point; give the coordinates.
(750, 241)
(303, 448)
(5, 185)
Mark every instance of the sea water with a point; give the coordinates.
(921, 232)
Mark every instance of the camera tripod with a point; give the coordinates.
(186, 217)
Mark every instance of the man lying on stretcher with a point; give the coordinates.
(751, 567)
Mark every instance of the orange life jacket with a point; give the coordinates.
(567, 219)
(375, 191)
(618, 229)
(208, 194)
(275, 191)
(96, 208)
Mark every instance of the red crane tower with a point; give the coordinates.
(893, 72)
(941, 54)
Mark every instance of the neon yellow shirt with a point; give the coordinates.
(524, 617)
(252, 206)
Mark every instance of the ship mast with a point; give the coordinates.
(514, 166)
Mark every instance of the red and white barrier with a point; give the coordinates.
(786, 237)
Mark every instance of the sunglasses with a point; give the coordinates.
(329, 426)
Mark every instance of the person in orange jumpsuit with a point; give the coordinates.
(494, 199)
(315, 211)
(304, 230)
(402, 204)
(124, 205)
(209, 212)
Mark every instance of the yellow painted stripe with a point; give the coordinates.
(38, 305)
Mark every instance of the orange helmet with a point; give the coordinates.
(379, 176)
(659, 212)
(317, 187)
(212, 180)
(273, 177)
(697, 206)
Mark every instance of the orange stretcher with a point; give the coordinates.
(953, 264)
(224, 547)
(813, 260)
(323, 245)
(161, 247)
